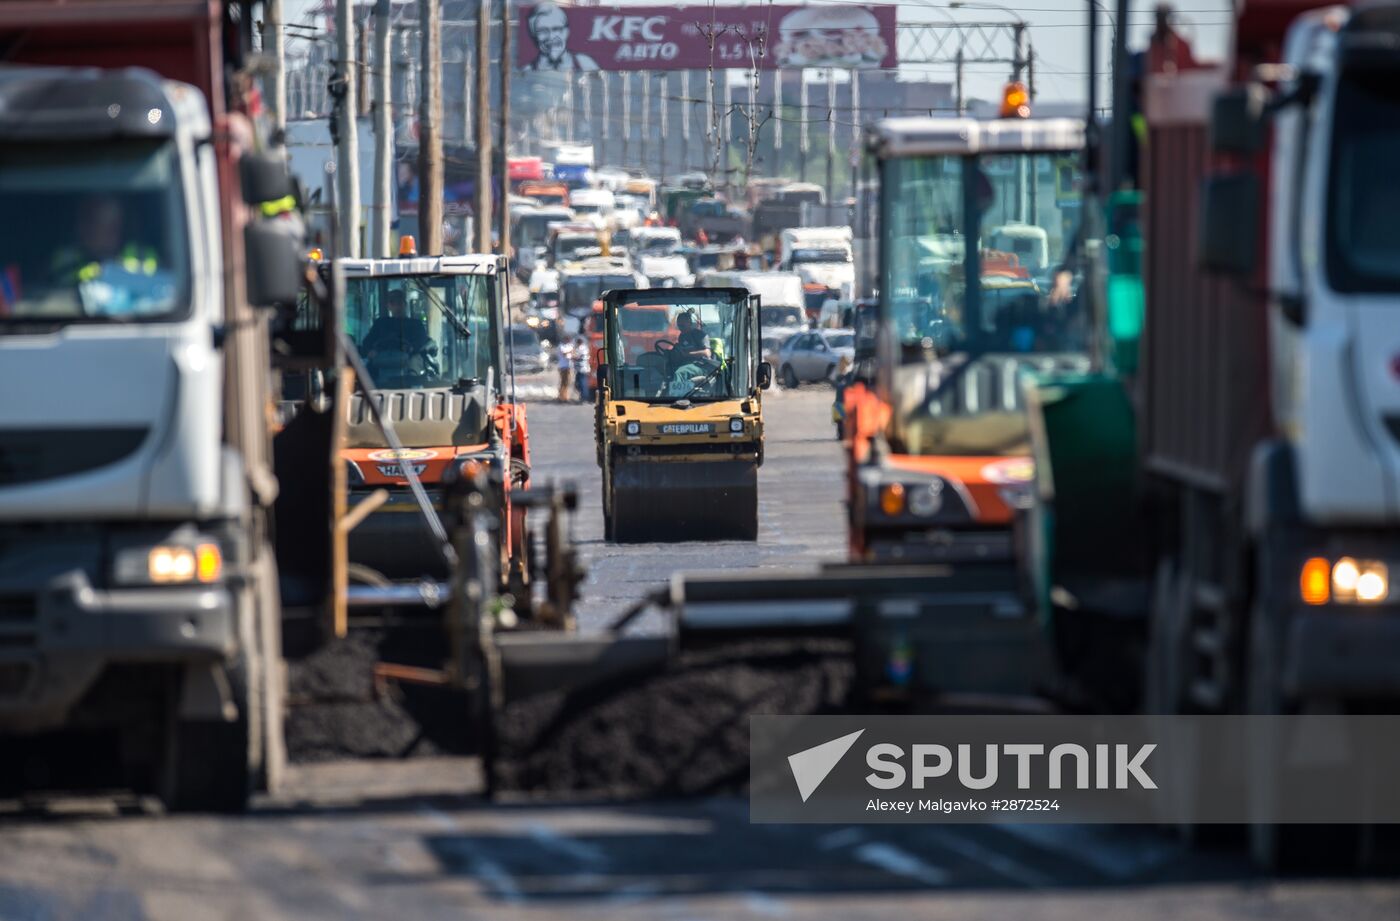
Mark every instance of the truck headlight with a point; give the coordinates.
(634, 429)
(1360, 581)
(1347, 581)
(925, 501)
(169, 564)
(736, 425)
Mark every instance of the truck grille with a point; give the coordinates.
(31, 455)
(19, 620)
(14, 679)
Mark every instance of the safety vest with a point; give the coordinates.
(138, 260)
(278, 206)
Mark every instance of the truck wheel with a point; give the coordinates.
(206, 764)
(273, 685)
(1164, 684)
(1277, 848)
(1164, 690)
(790, 380)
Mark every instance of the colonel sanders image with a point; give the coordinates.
(549, 30)
(830, 36)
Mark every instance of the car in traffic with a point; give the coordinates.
(821, 355)
(527, 354)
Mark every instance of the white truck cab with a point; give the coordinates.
(822, 256)
(137, 482)
(1335, 267)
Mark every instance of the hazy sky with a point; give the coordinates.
(1057, 32)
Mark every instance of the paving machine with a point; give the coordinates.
(430, 330)
(680, 414)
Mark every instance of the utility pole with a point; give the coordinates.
(803, 135)
(855, 130)
(777, 169)
(383, 134)
(348, 144)
(430, 129)
(274, 41)
(505, 125)
(712, 132)
(362, 68)
(467, 80)
(403, 95)
(959, 100)
(604, 127)
(1018, 54)
(626, 117)
(830, 133)
(483, 128)
(646, 117)
(665, 103)
(1122, 129)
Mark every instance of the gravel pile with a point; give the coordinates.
(681, 732)
(334, 712)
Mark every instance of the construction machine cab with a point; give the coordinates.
(664, 345)
(979, 286)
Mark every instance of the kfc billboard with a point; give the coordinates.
(576, 38)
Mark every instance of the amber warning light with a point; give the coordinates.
(1016, 101)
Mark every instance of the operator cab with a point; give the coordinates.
(679, 344)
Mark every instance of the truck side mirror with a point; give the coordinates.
(274, 273)
(1227, 233)
(1237, 120)
(765, 376)
(265, 177)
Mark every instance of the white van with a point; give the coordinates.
(782, 306)
(594, 206)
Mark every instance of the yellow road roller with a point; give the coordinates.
(680, 414)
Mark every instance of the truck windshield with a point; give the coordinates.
(1015, 243)
(1363, 243)
(657, 245)
(820, 255)
(778, 317)
(422, 331)
(696, 349)
(92, 235)
(580, 291)
(569, 248)
(533, 229)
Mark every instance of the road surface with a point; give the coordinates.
(800, 501)
(413, 840)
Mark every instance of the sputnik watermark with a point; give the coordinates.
(1075, 769)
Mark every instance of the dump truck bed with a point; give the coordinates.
(1204, 384)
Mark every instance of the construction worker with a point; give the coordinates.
(692, 341)
(100, 228)
(583, 370)
(395, 331)
(566, 373)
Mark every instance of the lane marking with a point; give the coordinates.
(486, 871)
(999, 863)
(899, 862)
(1097, 851)
(839, 839)
(562, 844)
